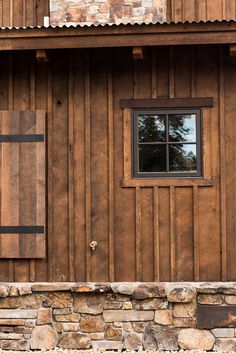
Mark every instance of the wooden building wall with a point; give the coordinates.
(143, 234)
(31, 12)
(201, 10)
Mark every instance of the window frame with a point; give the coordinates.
(136, 174)
(204, 104)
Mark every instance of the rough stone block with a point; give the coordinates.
(10, 336)
(91, 323)
(4, 290)
(230, 299)
(211, 299)
(44, 316)
(196, 339)
(21, 345)
(43, 337)
(163, 317)
(107, 345)
(139, 326)
(145, 291)
(70, 326)
(161, 337)
(68, 318)
(12, 322)
(225, 345)
(51, 287)
(184, 310)
(58, 300)
(127, 315)
(18, 314)
(112, 305)
(89, 305)
(148, 304)
(127, 306)
(132, 341)
(74, 340)
(185, 322)
(181, 294)
(97, 336)
(113, 333)
(123, 288)
(223, 332)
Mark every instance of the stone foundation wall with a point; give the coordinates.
(164, 316)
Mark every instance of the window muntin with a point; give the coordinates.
(167, 143)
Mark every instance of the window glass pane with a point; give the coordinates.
(152, 158)
(183, 158)
(182, 127)
(151, 128)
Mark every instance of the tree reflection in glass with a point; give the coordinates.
(167, 143)
(151, 128)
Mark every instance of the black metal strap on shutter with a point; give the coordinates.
(22, 138)
(21, 229)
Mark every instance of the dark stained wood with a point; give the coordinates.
(167, 103)
(172, 222)
(129, 35)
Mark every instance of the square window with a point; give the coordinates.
(166, 143)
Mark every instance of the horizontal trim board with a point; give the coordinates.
(118, 36)
(167, 103)
(21, 229)
(22, 138)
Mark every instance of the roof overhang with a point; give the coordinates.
(118, 36)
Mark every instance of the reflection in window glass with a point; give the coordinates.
(182, 127)
(151, 128)
(167, 143)
(152, 158)
(183, 158)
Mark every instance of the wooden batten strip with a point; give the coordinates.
(111, 173)
(71, 167)
(32, 267)
(222, 166)
(138, 218)
(196, 233)
(10, 107)
(87, 170)
(154, 73)
(193, 76)
(172, 234)
(156, 234)
(50, 174)
(171, 72)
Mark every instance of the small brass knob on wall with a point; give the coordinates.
(93, 245)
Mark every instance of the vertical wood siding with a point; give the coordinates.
(23, 12)
(146, 234)
(201, 10)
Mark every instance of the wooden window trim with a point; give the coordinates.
(205, 180)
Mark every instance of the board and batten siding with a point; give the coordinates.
(31, 12)
(143, 234)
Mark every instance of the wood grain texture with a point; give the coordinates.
(164, 224)
(23, 182)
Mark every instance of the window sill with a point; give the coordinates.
(129, 183)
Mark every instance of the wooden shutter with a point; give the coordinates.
(22, 181)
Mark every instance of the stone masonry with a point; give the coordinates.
(101, 12)
(115, 316)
